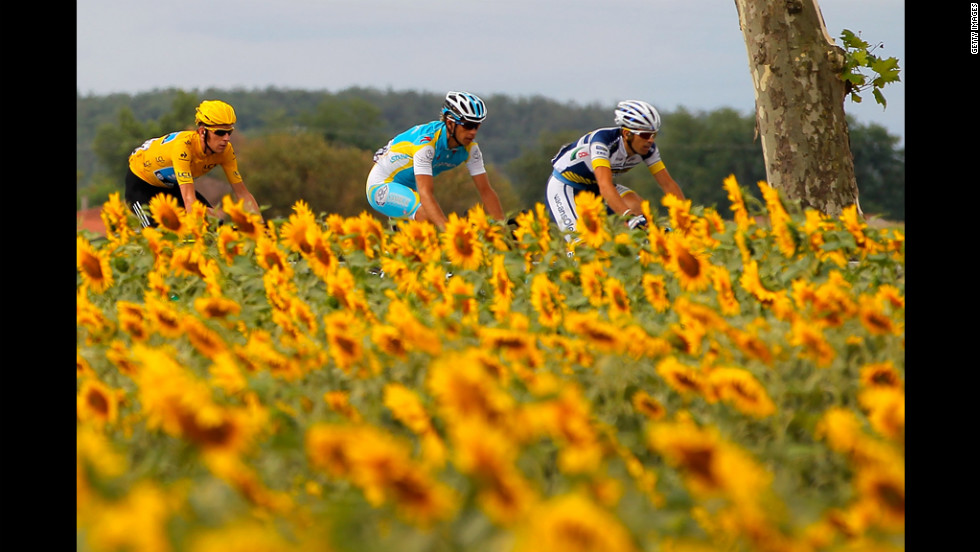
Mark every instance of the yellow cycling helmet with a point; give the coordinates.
(215, 113)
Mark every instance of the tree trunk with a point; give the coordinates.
(799, 102)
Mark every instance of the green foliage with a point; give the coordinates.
(701, 149)
(859, 59)
(531, 169)
(351, 121)
(283, 168)
(98, 192)
(879, 166)
(520, 136)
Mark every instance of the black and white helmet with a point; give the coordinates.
(465, 107)
(637, 115)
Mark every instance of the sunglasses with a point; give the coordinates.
(221, 131)
(468, 125)
(644, 134)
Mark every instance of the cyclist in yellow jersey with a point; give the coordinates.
(169, 164)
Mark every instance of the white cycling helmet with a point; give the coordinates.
(637, 115)
(465, 107)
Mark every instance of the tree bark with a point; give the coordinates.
(799, 102)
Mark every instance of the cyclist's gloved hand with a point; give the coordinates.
(639, 221)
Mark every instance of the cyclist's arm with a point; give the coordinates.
(666, 182)
(489, 197)
(248, 200)
(185, 180)
(431, 211)
(604, 178)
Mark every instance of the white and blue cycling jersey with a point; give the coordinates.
(422, 149)
(573, 171)
(575, 163)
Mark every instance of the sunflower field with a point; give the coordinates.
(329, 384)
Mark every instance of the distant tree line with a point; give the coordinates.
(317, 146)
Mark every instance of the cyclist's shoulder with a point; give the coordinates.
(420, 134)
(606, 135)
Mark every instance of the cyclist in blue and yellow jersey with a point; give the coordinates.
(591, 163)
(169, 164)
(400, 185)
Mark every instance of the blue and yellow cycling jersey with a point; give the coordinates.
(178, 158)
(575, 163)
(424, 149)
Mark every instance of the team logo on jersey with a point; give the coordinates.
(183, 155)
(601, 149)
(381, 195)
(428, 154)
(579, 153)
(398, 157)
(425, 139)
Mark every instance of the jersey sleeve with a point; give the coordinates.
(475, 161)
(230, 165)
(599, 154)
(422, 159)
(653, 161)
(182, 155)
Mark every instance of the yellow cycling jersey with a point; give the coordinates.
(178, 158)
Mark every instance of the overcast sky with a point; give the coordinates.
(672, 53)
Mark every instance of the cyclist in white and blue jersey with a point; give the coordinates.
(591, 163)
(400, 184)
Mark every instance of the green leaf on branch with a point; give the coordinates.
(859, 58)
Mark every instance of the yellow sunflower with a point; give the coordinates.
(572, 522)
(93, 265)
(873, 319)
(886, 410)
(881, 491)
(344, 335)
(216, 307)
(462, 244)
(407, 407)
(97, 403)
(503, 288)
(647, 405)
(487, 454)
(727, 302)
(169, 215)
(115, 218)
(809, 337)
(742, 390)
(207, 341)
(880, 374)
(245, 222)
(618, 298)
(300, 232)
(602, 335)
(339, 402)
(779, 220)
(655, 291)
(547, 300)
(681, 219)
(591, 276)
(690, 266)
(742, 218)
(591, 224)
(686, 380)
